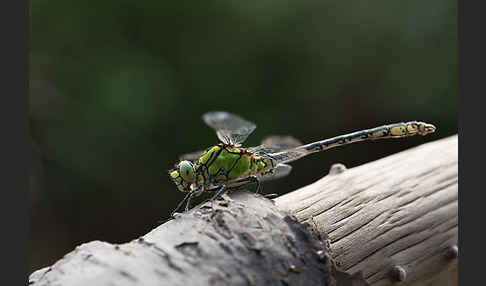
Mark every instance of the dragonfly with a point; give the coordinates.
(228, 165)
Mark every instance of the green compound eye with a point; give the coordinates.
(186, 170)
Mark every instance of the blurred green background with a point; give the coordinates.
(117, 90)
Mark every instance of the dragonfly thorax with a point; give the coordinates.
(221, 164)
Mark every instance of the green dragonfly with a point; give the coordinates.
(228, 165)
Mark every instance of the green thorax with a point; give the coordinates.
(223, 163)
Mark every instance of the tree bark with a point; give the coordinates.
(391, 220)
(397, 211)
(242, 240)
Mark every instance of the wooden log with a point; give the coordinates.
(398, 211)
(241, 240)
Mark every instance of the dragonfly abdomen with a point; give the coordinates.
(397, 130)
(261, 165)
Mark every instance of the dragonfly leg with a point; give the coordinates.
(191, 195)
(219, 192)
(188, 202)
(255, 180)
(215, 189)
(186, 198)
(251, 179)
(222, 189)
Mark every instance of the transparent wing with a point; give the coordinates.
(230, 128)
(274, 144)
(280, 171)
(288, 156)
(271, 144)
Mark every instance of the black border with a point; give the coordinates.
(471, 75)
(14, 28)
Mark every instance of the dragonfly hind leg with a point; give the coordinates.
(257, 182)
(220, 190)
(251, 179)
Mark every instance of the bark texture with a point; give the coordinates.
(241, 240)
(390, 221)
(393, 216)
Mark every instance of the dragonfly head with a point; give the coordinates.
(183, 175)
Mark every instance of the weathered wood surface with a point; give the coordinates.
(400, 210)
(242, 240)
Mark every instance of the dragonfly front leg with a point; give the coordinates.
(195, 192)
(188, 202)
(186, 199)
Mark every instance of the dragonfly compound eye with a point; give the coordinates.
(186, 170)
